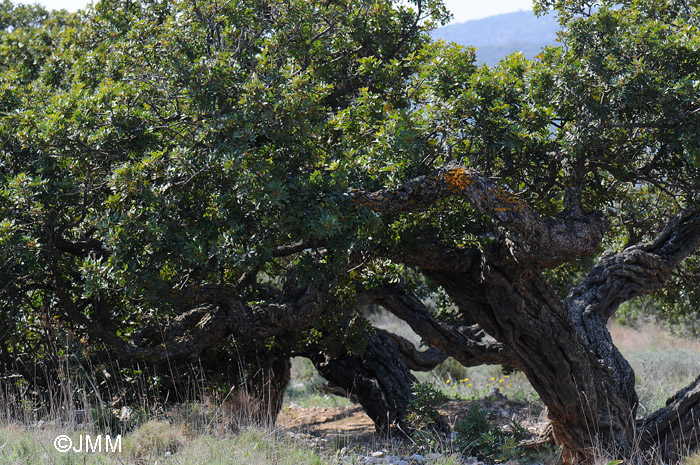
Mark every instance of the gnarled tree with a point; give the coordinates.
(229, 183)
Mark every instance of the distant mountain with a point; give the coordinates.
(501, 35)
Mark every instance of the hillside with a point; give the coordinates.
(498, 36)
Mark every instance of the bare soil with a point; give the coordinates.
(352, 423)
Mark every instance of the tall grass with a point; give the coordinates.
(223, 427)
(205, 427)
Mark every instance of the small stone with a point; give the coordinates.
(378, 453)
(402, 462)
(434, 455)
(417, 458)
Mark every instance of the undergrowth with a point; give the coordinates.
(476, 437)
(426, 426)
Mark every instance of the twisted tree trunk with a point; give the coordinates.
(669, 433)
(378, 379)
(562, 346)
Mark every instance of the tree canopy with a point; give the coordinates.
(188, 181)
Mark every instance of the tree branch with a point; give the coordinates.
(434, 257)
(537, 241)
(461, 342)
(289, 249)
(415, 359)
(674, 430)
(81, 248)
(213, 314)
(637, 270)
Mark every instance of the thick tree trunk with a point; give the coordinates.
(588, 408)
(379, 380)
(266, 390)
(563, 347)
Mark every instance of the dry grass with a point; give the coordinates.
(649, 337)
(692, 459)
(216, 431)
(663, 363)
(160, 442)
(155, 438)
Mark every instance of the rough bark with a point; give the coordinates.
(581, 395)
(414, 358)
(636, 270)
(266, 389)
(207, 316)
(378, 379)
(618, 277)
(430, 256)
(563, 347)
(528, 237)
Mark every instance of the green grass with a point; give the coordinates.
(304, 389)
(252, 446)
(163, 443)
(454, 379)
(473, 383)
(661, 373)
(663, 364)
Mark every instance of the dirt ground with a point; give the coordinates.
(352, 423)
(349, 422)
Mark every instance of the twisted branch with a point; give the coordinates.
(530, 238)
(635, 271)
(464, 343)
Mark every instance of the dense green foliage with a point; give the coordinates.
(178, 144)
(150, 148)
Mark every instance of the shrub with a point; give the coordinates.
(427, 427)
(475, 436)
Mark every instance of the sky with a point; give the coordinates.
(463, 10)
